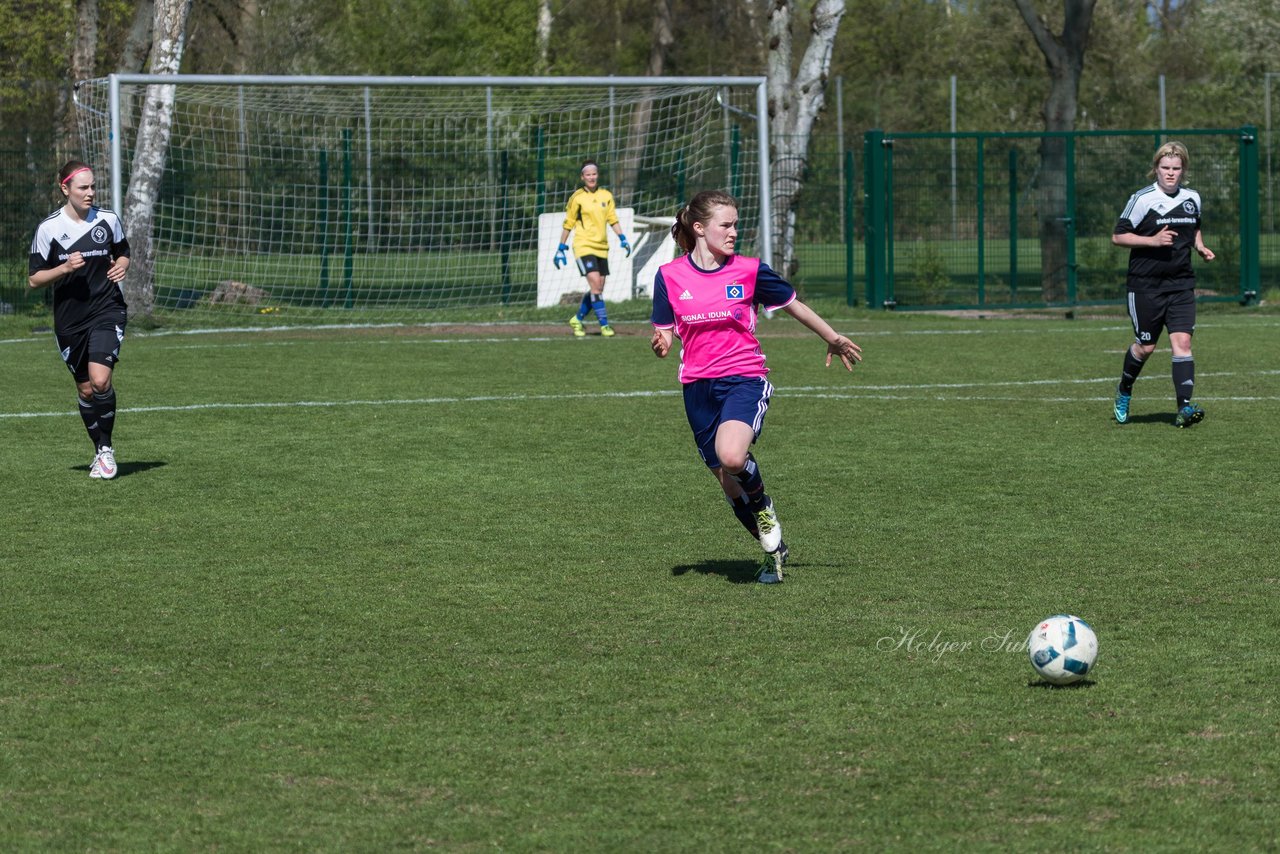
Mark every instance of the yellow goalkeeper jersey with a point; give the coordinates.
(589, 215)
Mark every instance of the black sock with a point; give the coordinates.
(742, 509)
(105, 406)
(89, 415)
(1184, 379)
(752, 484)
(1129, 373)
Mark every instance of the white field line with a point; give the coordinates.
(994, 327)
(899, 391)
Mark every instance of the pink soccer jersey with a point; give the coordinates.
(713, 314)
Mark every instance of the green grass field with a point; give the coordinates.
(403, 588)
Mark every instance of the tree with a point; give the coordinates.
(168, 39)
(83, 55)
(794, 105)
(544, 37)
(1064, 55)
(660, 44)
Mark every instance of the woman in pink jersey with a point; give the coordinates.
(708, 297)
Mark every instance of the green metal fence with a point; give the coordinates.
(28, 198)
(1022, 220)
(927, 220)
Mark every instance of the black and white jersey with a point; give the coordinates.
(1161, 268)
(81, 296)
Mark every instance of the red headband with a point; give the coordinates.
(75, 173)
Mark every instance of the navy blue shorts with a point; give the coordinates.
(1152, 311)
(593, 264)
(99, 343)
(709, 403)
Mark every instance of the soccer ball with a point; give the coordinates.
(1062, 649)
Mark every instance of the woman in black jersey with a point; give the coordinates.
(81, 252)
(1160, 226)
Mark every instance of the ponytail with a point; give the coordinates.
(699, 209)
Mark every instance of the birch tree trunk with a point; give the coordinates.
(1064, 55)
(150, 155)
(794, 105)
(543, 36)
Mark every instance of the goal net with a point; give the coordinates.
(318, 195)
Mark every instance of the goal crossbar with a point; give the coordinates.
(761, 115)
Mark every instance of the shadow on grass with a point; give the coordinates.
(734, 571)
(126, 469)
(1149, 418)
(1074, 686)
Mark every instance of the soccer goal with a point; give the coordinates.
(323, 194)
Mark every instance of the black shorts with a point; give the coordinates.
(593, 264)
(99, 343)
(1152, 311)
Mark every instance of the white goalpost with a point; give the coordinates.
(399, 194)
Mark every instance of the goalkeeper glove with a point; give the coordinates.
(561, 259)
(622, 241)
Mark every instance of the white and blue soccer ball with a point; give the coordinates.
(1062, 648)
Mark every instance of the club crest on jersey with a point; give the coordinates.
(1189, 206)
(99, 235)
(734, 290)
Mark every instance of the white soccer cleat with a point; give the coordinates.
(771, 569)
(770, 528)
(104, 464)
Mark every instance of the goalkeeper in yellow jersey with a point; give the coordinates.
(591, 213)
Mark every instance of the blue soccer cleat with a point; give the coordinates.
(1122, 406)
(1188, 415)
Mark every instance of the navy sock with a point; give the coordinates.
(1184, 379)
(597, 302)
(742, 509)
(752, 484)
(585, 305)
(89, 415)
(1129, 373)
(105, 407)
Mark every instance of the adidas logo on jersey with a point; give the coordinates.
(686, 294)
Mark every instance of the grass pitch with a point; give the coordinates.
(390, 588)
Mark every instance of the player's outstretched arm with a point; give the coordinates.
(837, 345)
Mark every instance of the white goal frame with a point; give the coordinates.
(118, 133)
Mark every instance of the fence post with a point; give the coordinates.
(1250, 274)
(1071, 215)
(847, 216)
(1013, 223)
(873, 217)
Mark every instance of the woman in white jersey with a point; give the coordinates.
(81, 252)
(708, 298)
